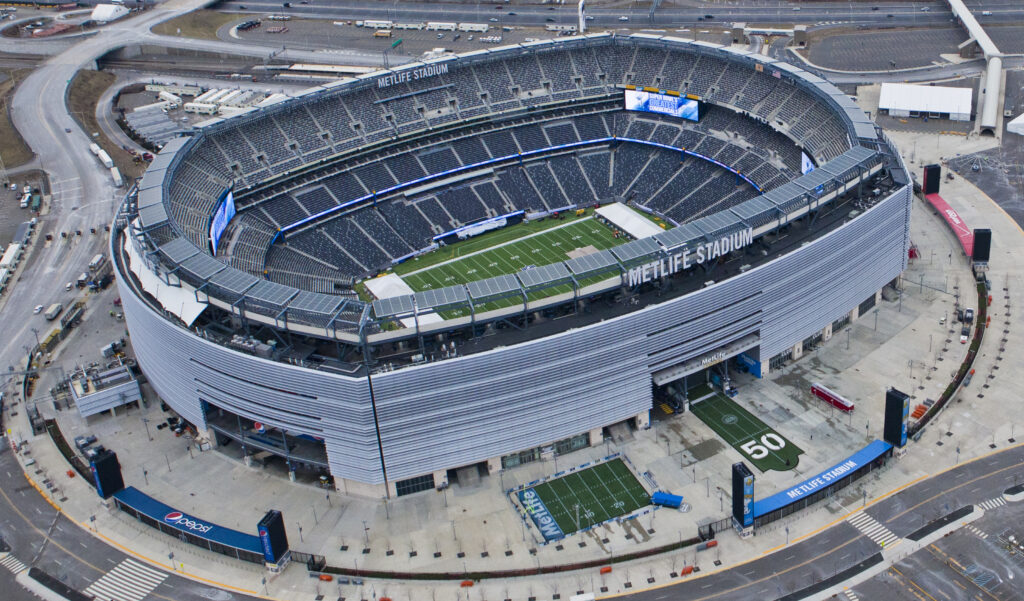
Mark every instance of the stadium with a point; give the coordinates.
(489, 258)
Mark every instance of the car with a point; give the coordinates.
(986, 13)
(964, 335)
(287, 4)
(68, 286)
(457, 36)
(969, 315)
(925, 9)
(709, 17)
(511, 14)
(38, 310)
(589, 18)
(498, 7)
(549, 20)
(874, 8)
(493, 19)
(440, 36)
(796, 8)
(67, 130)
(83, 441)
(623, 18)
(888, 16)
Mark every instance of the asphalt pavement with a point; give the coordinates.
(40, 536)
(800, 564)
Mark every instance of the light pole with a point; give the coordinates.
(300, 532)
(366, 533)
(145, 474)
(145, 422)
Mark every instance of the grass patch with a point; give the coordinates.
(483, 241)
(601, 493)
(764, 447)
(202, 24)
(13, 149)
(83, 96)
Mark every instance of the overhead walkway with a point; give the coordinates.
(993, 72)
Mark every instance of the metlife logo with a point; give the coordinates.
(177, 518)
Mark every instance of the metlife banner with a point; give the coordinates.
(651, 102)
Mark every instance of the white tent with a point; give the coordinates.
(1016, 126)
(908, 100)
(105, 13)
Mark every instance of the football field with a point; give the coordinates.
(764, 447)
(592, 495)
(546, 247)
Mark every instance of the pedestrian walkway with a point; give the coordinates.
(13, 564)
(852, 596)
(872, 529)
(992, 503)
(129, 581)
(981, 533)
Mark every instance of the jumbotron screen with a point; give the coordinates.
(221, 218)
(651, 102)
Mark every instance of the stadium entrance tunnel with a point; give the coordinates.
(298, 457)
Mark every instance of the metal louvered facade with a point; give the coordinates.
(468, 409)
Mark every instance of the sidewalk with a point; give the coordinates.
(906, 349)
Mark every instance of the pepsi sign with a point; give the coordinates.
(182, 521)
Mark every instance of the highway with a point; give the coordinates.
(781, 13)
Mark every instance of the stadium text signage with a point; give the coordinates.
(687, 258)
(411, 75)
(713, 358)
(539, 513)
(176, 518)
(823, 480)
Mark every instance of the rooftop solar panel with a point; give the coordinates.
(630, 251)
(234, 281)
(753, 208)
(545, 274)
(440, 297)
(714, 224)
(591, 263)
(315, 302)
(178, 250)
(391, 307)
(271, 293)
(679, 236)
(503, 284)
(152, 215)
(203, 266)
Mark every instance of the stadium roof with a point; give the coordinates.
(925, 99)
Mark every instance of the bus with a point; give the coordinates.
(474, 27)
(831, 398)
(382, 33)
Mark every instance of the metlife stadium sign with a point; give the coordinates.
(652, 102)
(540, 515)
(687, 258)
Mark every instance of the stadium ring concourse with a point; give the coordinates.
(767, 210)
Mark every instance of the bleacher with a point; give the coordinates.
(364, 240)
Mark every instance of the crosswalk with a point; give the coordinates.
(11, 563)
(852, 596)
(129, 581)
(992, 503)
(872, 529)
(980, 533)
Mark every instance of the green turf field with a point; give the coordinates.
(544, 248)
(764, 447)
(602, 492)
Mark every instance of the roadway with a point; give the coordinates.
(781, 13)
(40, 536)
(822, 555)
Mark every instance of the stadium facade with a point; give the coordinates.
(387, 396)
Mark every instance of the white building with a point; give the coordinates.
(936, 102)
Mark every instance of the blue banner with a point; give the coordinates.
(540, 515)
(186, 523)
(823, 480)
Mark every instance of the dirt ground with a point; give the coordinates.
(202, 24)
(13, 148)
(85, 91)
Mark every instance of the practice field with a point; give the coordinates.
(602, 492)
(764, 447)
(547, 247)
